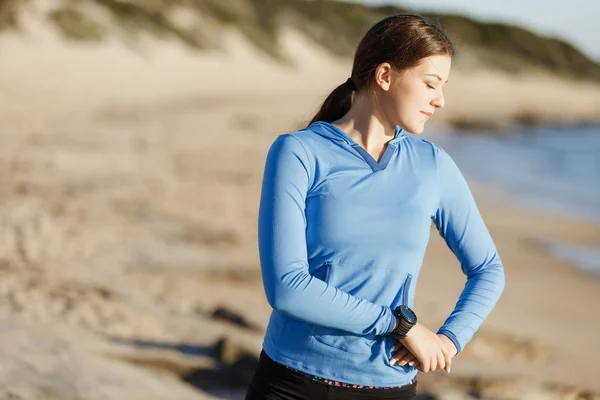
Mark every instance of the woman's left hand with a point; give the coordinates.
(401, 355)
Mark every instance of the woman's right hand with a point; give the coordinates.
(428, 348)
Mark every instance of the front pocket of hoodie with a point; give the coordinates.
(362, 282)
(407, 300)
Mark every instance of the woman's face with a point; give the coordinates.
(409, 98)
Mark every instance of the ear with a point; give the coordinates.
(383, 76)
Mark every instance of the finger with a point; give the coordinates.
(448, 359)
(426, 363)
(409, 359)
(396, 346)
(419, 366)
(446, 355)
(398, 356)
(401, 350)
(433, 364)
(400, 353)
(441, 360)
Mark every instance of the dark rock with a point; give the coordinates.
(224, 314)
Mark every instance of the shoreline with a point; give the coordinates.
(475, 127)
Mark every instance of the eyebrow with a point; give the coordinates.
(437, 76)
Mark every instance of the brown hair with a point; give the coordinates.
(401, 40)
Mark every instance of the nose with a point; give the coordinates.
(438, 100)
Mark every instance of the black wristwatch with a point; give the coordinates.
(406, 320)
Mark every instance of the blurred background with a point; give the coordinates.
(133, 135)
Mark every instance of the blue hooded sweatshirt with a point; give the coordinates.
(341, 242)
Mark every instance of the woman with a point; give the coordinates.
(344, 221)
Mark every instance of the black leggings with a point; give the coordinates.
(273, 381)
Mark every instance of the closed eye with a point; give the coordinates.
(429, 86)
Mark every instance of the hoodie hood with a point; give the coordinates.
(332, 132)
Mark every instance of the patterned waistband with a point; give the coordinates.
(345, 384)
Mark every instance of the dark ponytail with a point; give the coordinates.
(401, 40)
(336, 105)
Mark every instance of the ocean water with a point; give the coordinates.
(556, 170)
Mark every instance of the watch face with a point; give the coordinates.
(408, 314)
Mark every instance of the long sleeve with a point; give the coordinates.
(460, 224)
(289, 287)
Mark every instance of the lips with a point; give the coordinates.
(426, 113)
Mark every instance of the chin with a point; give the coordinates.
(416, 129)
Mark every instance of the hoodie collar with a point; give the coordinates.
(331, 131)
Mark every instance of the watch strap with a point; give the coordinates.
(403, 325)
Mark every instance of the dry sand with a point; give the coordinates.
(129, 199)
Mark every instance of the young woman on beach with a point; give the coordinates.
(344, 220)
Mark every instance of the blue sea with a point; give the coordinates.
(556, 170)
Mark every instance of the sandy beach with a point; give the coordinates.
(128, 225)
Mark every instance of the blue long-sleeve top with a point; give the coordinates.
(341, 242)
